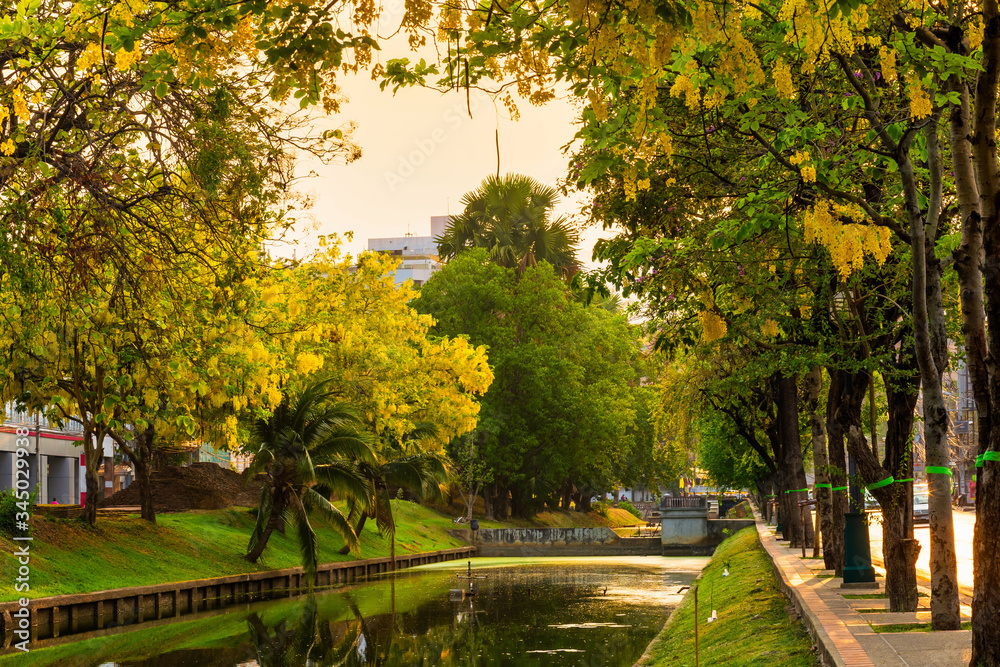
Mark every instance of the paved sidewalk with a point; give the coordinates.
(844, 628)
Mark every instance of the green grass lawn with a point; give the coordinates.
(753, 627)
(68, 556)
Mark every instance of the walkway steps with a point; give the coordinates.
(844, 636)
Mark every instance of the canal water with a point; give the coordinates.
(524, 612)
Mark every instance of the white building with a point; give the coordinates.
(418, 254)
(55, 459)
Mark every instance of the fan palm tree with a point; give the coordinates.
(511, 216)
(308, 440)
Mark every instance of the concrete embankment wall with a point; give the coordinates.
(601, 541)
(71, 614)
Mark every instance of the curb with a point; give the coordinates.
(843, 650)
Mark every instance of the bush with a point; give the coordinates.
(630, 508)
(9, 510)
(601, 508)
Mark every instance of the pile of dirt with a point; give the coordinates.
(199, 486)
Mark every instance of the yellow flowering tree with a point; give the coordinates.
(351, 326)
(823, 118)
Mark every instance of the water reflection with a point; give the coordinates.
(569, 613)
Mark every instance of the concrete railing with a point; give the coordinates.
(686, 501)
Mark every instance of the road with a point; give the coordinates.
(964, 525)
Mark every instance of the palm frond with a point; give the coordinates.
(306, 537)
(320, 506)
(346, 481)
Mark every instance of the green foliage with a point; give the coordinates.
(726, 456)
(562, 411)
(602, 508)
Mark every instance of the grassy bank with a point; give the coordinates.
(68, 556)
(753, 627)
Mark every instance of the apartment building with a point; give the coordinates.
(418, 254)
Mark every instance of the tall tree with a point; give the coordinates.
(512, 217)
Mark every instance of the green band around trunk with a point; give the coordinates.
(824, 486)
(939, 470)
(991, 456)
(797, 490)
(979, 461)
(901, 481)
(878, 485)
(840, 488)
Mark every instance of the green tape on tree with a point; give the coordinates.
(939, 470)
(979, 461)
(901, 481)
(878, 485)
(797, 490)
(824, 486)
(840, 488)
(991, 456)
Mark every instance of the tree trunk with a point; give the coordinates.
(142, 462)
(901, 578)
(899, 571)
(143, 475)
(929, 340)
(344, 550)
(95, 491)
(501, 504)
(786, 400)
(488, 493)
(93, 454)
(833, 545)
(273, 522)
(901, 390)
(567, 496)
(978, 264)
(821, 462)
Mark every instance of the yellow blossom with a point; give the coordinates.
(90, 57)
(783, 79)
(920, 101)
(20, 105)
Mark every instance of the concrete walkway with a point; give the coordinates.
(845, 628)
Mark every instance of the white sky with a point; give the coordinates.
(422, 152)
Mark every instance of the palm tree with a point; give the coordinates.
(511, 218)
(307, 441)
(421, 473)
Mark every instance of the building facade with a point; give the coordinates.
(55, 461)
(418, 254)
